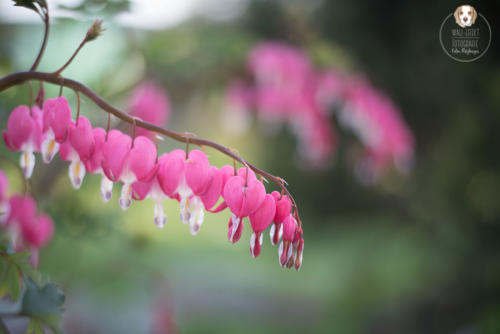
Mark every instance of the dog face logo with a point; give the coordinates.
(465, 16)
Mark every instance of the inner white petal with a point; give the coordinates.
(76, 172)
(106, 188)
(27, 162)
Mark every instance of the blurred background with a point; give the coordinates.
(414, 252)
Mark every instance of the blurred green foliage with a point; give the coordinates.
(414, 254)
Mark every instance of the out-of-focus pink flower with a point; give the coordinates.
(28, 230)
(286, 88)
(330, 87)
(151, 104)
(38, 232)
(128, 161)
(78, 149)
(24, 133)
(22, 210)
(56, 119)
(378, 124)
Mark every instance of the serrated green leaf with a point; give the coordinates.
(45, 304)
(13, 282)
(35, 327)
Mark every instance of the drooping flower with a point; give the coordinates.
(299, 252)
(243, 194)
(78, 148)
(151, 104)
(286, 248)
(94, 163)
(24, 133)
(37, 233)
(28, 230)
(128, 161)
(283, 207)
(188, 178)
(152, 189)
(22, 211)
(56, 119)
(260, 220)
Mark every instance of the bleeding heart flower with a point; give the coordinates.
(289, 231)
(24, 133)
(188, 178)
(152, 189)
(128, 161)
(38, 232)
(299, 254)
(283, 207)
(56, 119)
(94, 163)
(260, 220)
(22, 211)
(78, 149)
(243, 196)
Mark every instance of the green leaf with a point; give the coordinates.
(35, 327)
(3, 277)
(13, 282)
(44, 304)
(22, 260)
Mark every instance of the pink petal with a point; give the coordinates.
(39, 232)
(255, 244)
(171, 170)
(81, 138)
(235, 228)
(140, 190)
(22, 209)
(57, 116)
(289, 228)
(197, 171)
(253, 197)
(20, 126)
(211, 196)
(233, 194)
(283, 207)
(226, 172)
(263, 216)
(243, 171)
(115, 154)
(93, 164)
(142, 158)
(4, 186)
(65, 150)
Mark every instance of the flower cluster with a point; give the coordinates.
(28, 229)
(185, 176)
(287, 88)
